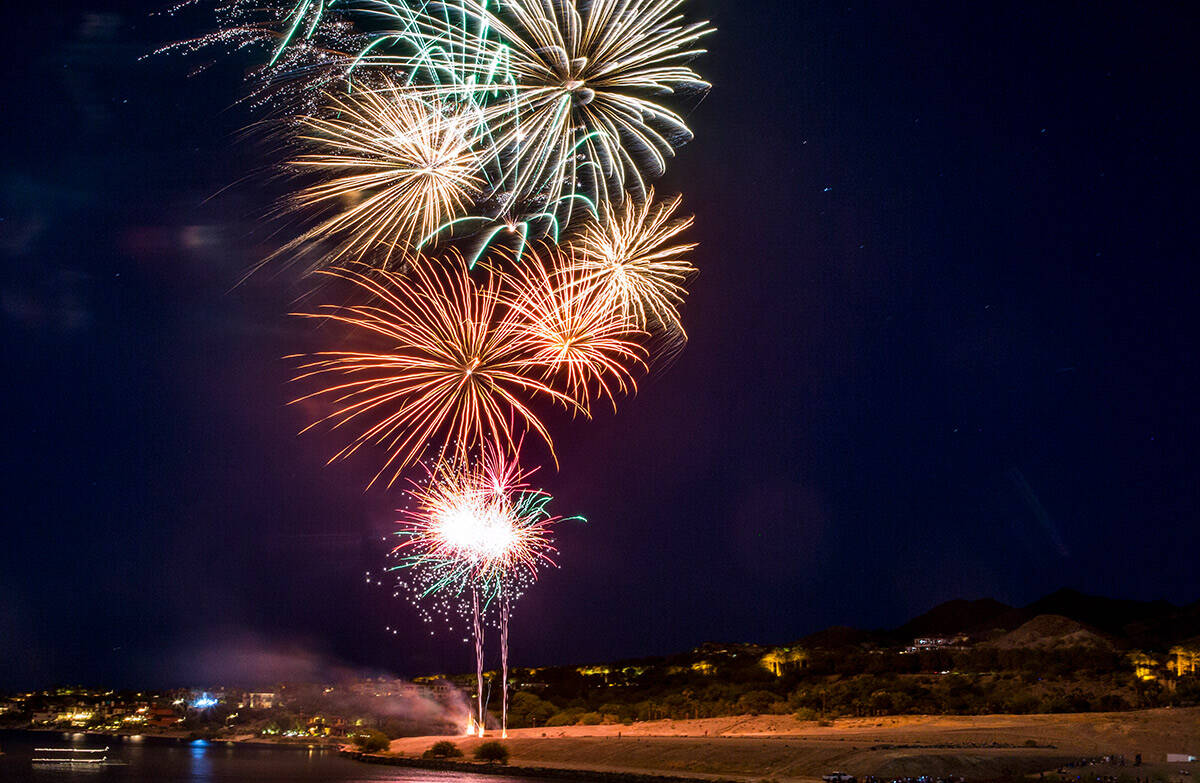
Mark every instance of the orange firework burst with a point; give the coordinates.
(457, 366)
(395, 168)
(577, 334)
(625, 258)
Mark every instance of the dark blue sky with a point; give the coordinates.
(942, 346)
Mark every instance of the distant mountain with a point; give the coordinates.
(958, 616)
(837, 637)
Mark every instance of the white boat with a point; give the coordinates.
(72, 756)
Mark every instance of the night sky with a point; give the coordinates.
(942, 345)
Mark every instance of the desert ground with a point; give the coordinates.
(782, 748)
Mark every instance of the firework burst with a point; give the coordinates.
(627, 259)
(476, 525)
(455, 366)
(577, 336)
(570, 88)
(391, 168)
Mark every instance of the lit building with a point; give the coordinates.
(927, 643)
(259, 700)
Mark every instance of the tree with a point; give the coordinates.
(371, 741)
(614, 711)
(881, 702)
(492, 752)
(527, 709)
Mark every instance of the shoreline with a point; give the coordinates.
(526, 771)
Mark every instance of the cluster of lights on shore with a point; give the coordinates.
(472, 181)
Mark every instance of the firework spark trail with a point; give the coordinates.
(504, 613)
(478, 628)
(310, 10)
(306, 47)
(457, 367)
(510, 221)
(583, 81)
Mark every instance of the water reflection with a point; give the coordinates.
(201, 768)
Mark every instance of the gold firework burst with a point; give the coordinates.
(393, 167)
(627, 259)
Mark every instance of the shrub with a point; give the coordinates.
(591, 719)
(371, 741)
(492, 752)
(445, 750)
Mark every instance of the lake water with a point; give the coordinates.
(157, 760)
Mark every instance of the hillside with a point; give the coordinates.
(1049, 631)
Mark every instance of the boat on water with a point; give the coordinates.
(73, 756)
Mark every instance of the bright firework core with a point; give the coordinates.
(476, 528)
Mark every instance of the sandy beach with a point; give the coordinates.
(783, 748)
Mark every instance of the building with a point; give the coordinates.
(259, 700)
(928, 643)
